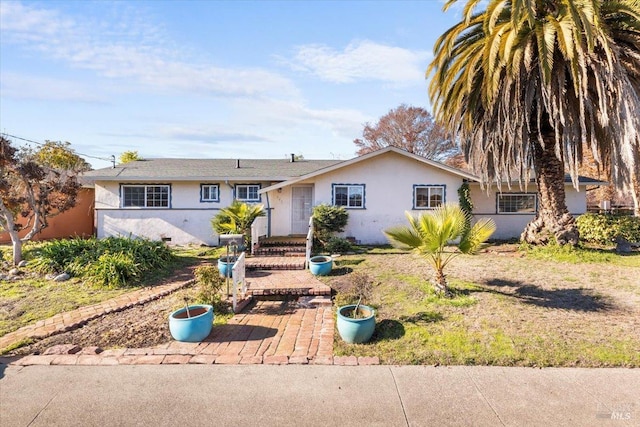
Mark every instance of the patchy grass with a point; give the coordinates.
(34, 298)
(508, 309)
(581, 255)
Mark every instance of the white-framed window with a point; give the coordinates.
(248, 192)
(349, 195)
(517, 203)
(209, 193)
(428, 196)
(145, 196)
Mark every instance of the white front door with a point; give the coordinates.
(301, 208)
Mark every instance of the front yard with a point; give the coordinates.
(510, 308)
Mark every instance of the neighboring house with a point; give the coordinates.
(175, 199)
(76, 222)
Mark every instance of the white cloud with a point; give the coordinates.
(362, 60)
(19, 86)
(343, 123)
(131, 51)
(209, 135)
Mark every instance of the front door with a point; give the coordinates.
(301, 208)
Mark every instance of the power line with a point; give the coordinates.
(43, 144)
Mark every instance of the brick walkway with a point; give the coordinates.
(285, 282)
(270, 332)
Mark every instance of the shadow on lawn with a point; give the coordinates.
(388, 329)
(576, 299)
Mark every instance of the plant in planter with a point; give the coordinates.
(237, 219)
(429, 234)
(356, 322)
(320, 265)
(193, 322)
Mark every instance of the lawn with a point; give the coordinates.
(517, 308)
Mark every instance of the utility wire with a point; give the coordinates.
(109, 159)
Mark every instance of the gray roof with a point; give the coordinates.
(208, 169)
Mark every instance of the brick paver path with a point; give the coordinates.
(287, 282)
(269, 332)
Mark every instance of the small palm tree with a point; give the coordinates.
(237, 219)
(429, 235)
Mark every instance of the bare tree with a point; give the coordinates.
(35, 185)
(410, 128)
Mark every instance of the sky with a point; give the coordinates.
(211, 79)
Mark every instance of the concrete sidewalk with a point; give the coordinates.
(258, 395)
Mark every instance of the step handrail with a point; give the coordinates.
(309, 244)
(238, 273)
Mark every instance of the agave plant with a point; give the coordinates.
(430, 234)
(237, 219)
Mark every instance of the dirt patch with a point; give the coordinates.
(143, 325)
(140, 326)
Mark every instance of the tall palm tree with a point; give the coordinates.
(524, 82)
(431, 233)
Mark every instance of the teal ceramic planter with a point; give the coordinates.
(225, 265)
(320, 265)
(191, 329)
(356, 331)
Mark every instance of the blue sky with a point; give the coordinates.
(211, 79)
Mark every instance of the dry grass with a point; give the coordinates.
(508, 309)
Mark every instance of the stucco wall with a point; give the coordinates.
(187, 221)
(77, 221)
(510, 226)
(389, 181)
(182, 227)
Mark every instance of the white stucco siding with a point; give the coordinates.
(177, 227)
(186, 221)
(510, 226)
(389, 180)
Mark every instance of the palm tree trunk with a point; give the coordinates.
(635, 195)
(440, 283)
(553, 218)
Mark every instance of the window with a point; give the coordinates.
(348, 195)
(209, 193)
(248, 192)
(428, 196)
(517, 203)
(145, 196)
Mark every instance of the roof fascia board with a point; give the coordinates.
(368, 156)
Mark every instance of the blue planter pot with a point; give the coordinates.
(356, 331)
(194, 328)
(225, 265)
(320, 265)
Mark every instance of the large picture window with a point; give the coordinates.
(348, 195)
(428, 196)
(209, 193)
(248, 192)
(145, 196)
(517, 203)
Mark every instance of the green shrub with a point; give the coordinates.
(112, 270)
(338, 245)
(94, 260)
(210, 284)
(328, 220)
(604, 228)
